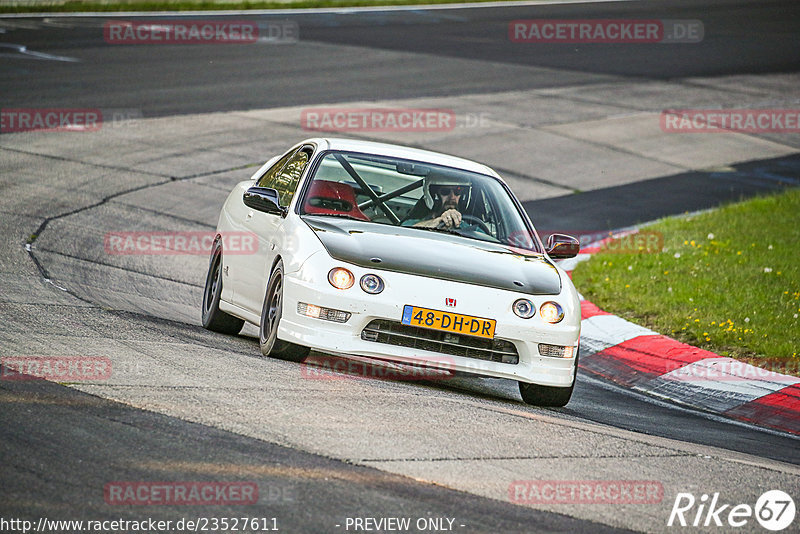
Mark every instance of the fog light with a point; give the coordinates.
(524, 308)
(326, 314)
(551, 312)
(341, 278)
(372, 284)
(556, 351)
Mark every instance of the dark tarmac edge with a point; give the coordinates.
(612, 208)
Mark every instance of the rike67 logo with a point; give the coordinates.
(774, 510)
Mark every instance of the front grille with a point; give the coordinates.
(396, 333)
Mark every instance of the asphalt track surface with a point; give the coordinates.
(83, 438)
(740, 37)
(59, 445)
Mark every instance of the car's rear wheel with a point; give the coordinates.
(213, 318)
(271, 313)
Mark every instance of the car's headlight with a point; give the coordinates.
(341, 278)
(524, 308)
(372, 284)
(551, 312)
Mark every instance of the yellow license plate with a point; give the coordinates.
(449, 322)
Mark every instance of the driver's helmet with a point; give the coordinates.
(433, 182)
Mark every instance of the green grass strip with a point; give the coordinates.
(727, 281)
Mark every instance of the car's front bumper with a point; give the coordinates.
(310, 285)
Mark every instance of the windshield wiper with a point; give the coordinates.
(342, 215)
(441, 230)
(478, 236)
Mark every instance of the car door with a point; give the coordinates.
(235, 219)
(255, 268)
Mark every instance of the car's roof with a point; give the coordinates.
(370, 147)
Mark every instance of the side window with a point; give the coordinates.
(285, 175)
(289, 177)
(267, 178)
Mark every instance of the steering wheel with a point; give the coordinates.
(472, 220)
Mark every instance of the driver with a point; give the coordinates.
(445, 198)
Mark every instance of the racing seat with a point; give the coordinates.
(331, 198)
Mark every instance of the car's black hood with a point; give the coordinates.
(435, 255)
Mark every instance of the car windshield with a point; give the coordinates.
(399, 192)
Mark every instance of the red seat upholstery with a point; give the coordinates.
(331, 198)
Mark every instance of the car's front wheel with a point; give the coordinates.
(545, 395)
(213, 318)
(548, 395)
(271, 313)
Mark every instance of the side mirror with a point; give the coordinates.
(264, 199)
(560, 246)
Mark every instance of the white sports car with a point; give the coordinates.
(399, 254)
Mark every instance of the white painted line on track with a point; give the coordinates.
(22, 49)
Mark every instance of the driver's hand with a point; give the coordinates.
(450, 218)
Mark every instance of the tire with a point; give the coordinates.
(548, 395)
(271, 313)
(545, 395)
(215, 319)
